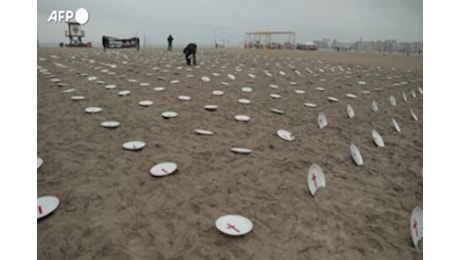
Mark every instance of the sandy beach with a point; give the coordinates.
(111, 207)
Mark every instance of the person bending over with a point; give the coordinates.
(190, 52)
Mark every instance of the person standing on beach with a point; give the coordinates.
(190, 52)
(170, 39)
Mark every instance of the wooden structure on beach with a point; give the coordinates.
(261, 40)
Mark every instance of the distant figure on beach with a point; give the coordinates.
(170, 39)
(190, 52)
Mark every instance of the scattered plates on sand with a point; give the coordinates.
(224, 83)
(275, 96)
(230, 76)
(378, 140)
(205, 79)
(322, 120)
(356, 155)
(244, 101)
(68, 90)
(312, 105)
(46, 205)
(203, 132)
(77, 98)
(55, 80)
(299, 91)
(100, 82)
(252, 76)
(110, 124)
(124, 93)
(282, 73)
(396, 125)
(246, 89)
(163, 169)
(350, 95)
(174, 81)
(350, 111)
(413, 94)
(241, 150)
(413, 115)
(211, 107)
(145, 103)
(242, 118)
(274, 86)
(92, 78)
(285, 135)
(378, 89)
(320, 89)
(416, 225)
(159, 88)
(316, 178)
(144, 84)
(420, 90)
(360, 82)
(111, 86)
(374, 106)
(392, 100)
(333, 99)
(169, 114)
(404, 96)
(234, 225)
(277, 111)
(367, 92)
(92, 110)
(293, 83)
(184, 98)
(39, 162)
(134, 145)
(217, 92)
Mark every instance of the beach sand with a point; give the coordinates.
(112, 208)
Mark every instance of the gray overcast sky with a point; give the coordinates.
(201, 20)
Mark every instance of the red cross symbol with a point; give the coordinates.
(230, 226)
(40, 211)
(414, 226)
(314, 180)
(165, 171)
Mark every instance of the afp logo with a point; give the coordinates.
(81, 15)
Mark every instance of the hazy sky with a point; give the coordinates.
(202, 21)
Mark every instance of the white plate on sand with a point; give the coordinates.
(374, 106)
(252, 76)
(217, 92)
(333, 99)
(163, 169)
(316, 178)
(224, 83)
(246, 89)
(392, 101)
(211, 107)
(124, 93)
(350, 95)
(169, 114)
(361, 82)
(184, 98)
(68, 90)
(242, 118)
(413, 115)
(282, 73)
(313, 105)
(244, 101)
(413, 94)
(277, 111)
(174, 81)
(92, 78)
(205, 79)
(159, 88)
(320, 89)
(46, 205)
(93, 110)
(241, 150)
(275, 96)
(39, 162)
(322, 120)
(77, 98)
(378, 140)
(420, 90)
(416, 225)
(134, 145)
(285, 135)
(234, 225)
(145, 103)
(396, 125)
(273, 86)
(203, 132)
(110, 86)
(144, 84)
(350, 111)
(230, 76)
(404, 96)
(356, 155)
(110, 124)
